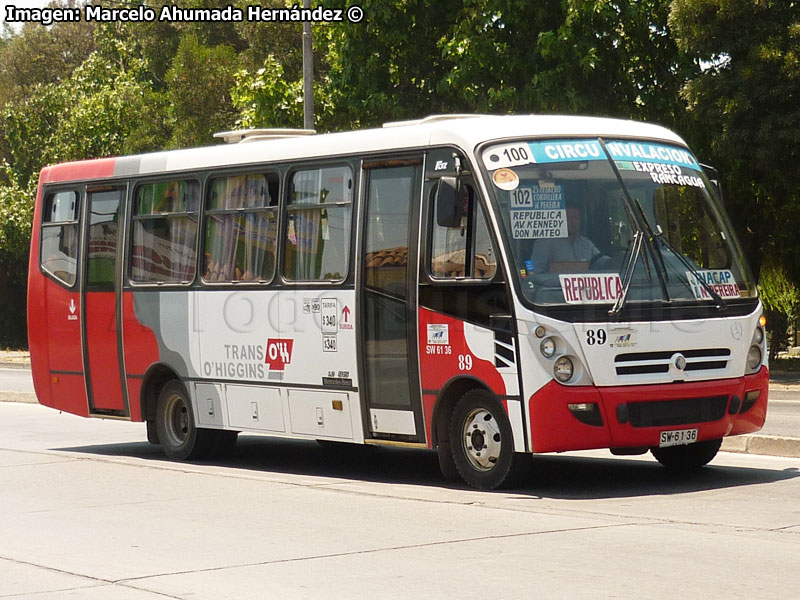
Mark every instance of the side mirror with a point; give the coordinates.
(448, 204)
(714, 178)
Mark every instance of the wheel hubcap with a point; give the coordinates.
(177, 420)
(481, 439)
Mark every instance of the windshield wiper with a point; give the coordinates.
(628, 203)
(627, 278)
(659, 236)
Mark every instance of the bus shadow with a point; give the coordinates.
(561, 476)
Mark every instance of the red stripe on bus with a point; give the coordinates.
(83, 169)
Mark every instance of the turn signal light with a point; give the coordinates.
(587, 413)
(749, 400)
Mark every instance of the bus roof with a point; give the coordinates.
(464, 131)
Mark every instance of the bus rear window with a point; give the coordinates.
(59, 254)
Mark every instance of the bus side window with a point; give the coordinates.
(59, 254)
(465, 250)
(165, 232)
(318, 224)
(241, 228)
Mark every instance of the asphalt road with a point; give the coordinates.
(783, 413)
(15, 380)
(90, 511)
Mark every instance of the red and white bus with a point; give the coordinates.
(488, 286)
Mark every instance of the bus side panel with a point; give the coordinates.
(446, 353)
(140, 352)
(37, 307)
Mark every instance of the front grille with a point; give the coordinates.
(677, 412)
(645, 363)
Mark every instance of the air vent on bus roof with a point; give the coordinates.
(253, 135)
(430, 119)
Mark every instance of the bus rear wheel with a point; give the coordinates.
(685, 458)
(180, 437)
(482, 443)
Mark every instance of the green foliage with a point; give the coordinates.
(16, 207)
(778, 293)
(566, 56)
(781, 299)
(265, 98)
(89, 115)
(391, 65)
(41, 55)
(746, 113)
(200, 71)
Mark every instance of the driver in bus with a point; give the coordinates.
(572, 254)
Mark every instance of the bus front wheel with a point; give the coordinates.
(180, 437)
(482, 443)
(685, 458)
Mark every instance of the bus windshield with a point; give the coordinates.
(571, 210)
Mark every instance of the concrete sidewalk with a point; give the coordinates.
(11, 359)
(760, 443)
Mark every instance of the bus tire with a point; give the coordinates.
(180, 438)
(446, 463)
(685, 458)
(482, 443)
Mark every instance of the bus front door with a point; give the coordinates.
(388, 300)
(101, 314)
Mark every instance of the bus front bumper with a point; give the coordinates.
(584, 417)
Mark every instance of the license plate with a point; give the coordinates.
(677, 437)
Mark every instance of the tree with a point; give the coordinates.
(40, 55)
(781, 299)
(566, 56)
(746, 103)
(15, 227)
(200, 81)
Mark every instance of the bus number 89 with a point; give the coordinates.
(596, 337)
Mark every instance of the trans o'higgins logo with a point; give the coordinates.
(279, 353)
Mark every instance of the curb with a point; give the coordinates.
(15, 365)
(22, 397)
(770, 445)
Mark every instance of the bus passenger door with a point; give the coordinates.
(388, 299)
(54, 303)
(101, 310)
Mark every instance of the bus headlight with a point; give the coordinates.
(548, 347)
(754, 358)
(563, 369)
(758, 336)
